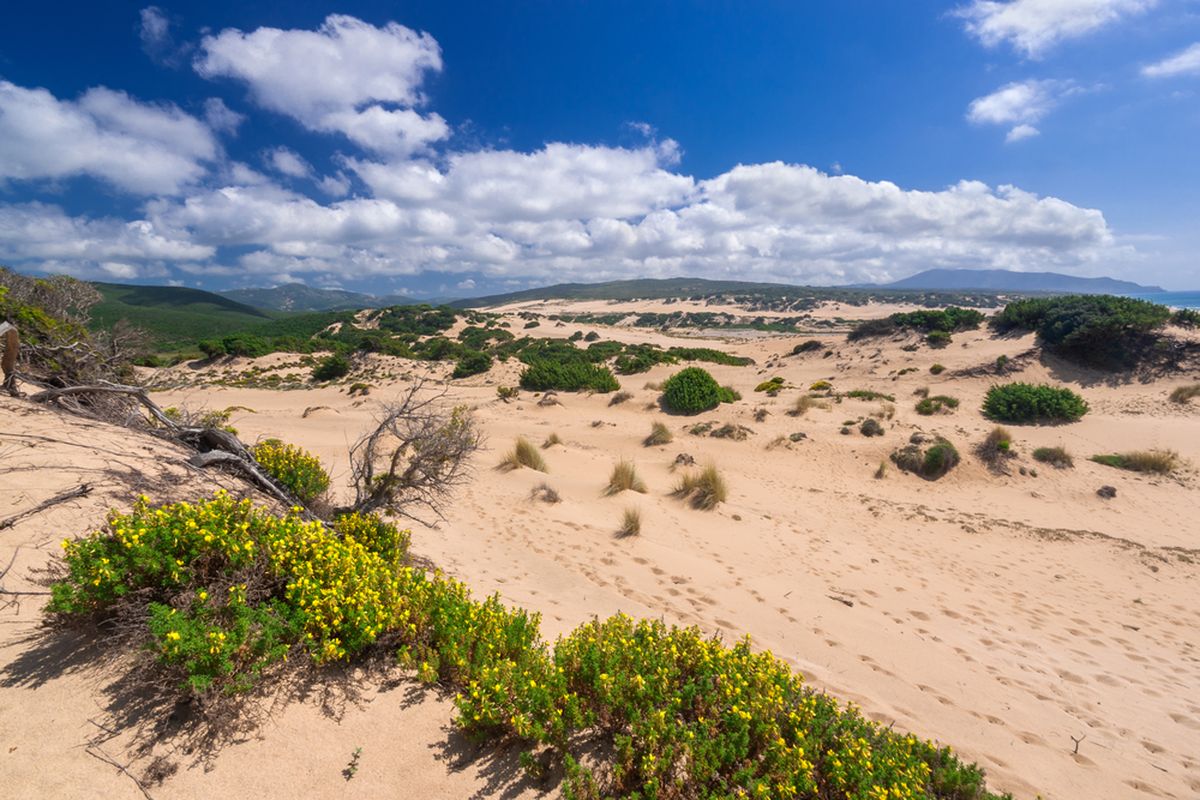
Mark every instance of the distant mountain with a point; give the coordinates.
(173, 314)
(1003, 280)
(298, 297)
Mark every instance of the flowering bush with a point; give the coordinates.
(229, 589)
(294, 467)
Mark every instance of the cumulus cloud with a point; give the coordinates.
(1019, 105)
(1034, 26)
(139, 147)
(1185, 62)
(346, 77)
(288, 162)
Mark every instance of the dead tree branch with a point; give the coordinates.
(82, 490)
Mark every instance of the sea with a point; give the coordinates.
(1173, 299)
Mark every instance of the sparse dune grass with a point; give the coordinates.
(704, 489)
(620, 397)
(1183, 394)
(1057, 457)
(806, 402)
(631, 523)
(524, 454)
(546, 493)
(624, 478)
(996, 447)
(659, 434)
(551, 440)
(928, 406)
(1159, 462)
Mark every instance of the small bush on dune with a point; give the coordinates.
(545, 493)
(297, 469)
(1186, 318)
(1161, 462)
(691, 391)
(820, 386)
(705, 489)
(868, 394)
(1027, 403)
(996, 447)
(331, 368)
(659, 434)
(360, 388)
(931, 463)
(928, 406)
(507, 393)
(771, 386)
(810, 346)
(624, 478)
(1054, 456)
(871, 427)
(544, 374)
(937, 339)
(1183, 394)
(524, 454)
(937, 369)
(472, 362)
(631, 523)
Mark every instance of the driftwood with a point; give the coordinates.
(82, 490)
(137, 393)
(10, 344)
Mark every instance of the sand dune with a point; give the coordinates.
(1004, 614)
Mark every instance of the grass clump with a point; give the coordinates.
(1027, 403)
(551, 440)
(691, 391)
(544, 492)
(660, 434)
(868, 394)
(631, 523)
(1057, 457)
(821, 386)
(938, 403)
(806, 402)
(624, 478)
(1160, 462)
(1183, 394)
(620, 397)
(524, 454)
(996, 447)
(871, 427)
(295, 468)
(930, 463)
(937, 369)
(704, 489)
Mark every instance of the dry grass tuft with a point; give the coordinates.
(631, 523)
(1057, 457)
(805, 402)
(659, 434)
(544, 492)
(524, 454)
(620, 397)
(551, 440)
(705, 489)
(1159, 462)
(1183, 394)
(624, 478)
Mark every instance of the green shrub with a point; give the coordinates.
(524, 454)
(871, 427)
(809, 346)
(728, 394)
(944, 321)
(937, 369)
(294, 467)
(1101, 330)
(472, 362)
(868, 394)
(928, 406)
(691, 391)
(771, 386)
(1054, 456)
(1027, 403)
(1186, 318)
(570, 376)
(1162, 462)
(359, 388)
(507, 393)
(331, 368)
(820, 386)
(930, 463)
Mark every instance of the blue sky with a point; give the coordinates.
(449, 148)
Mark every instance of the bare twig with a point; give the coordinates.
(82, 490)
(96, 752)
(1077, 742)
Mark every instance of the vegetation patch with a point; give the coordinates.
(472, 362)
(1028, 403)
(871, 427)
(331, 368)
(631, 523)
(806, 402)
(572, 376)
(996, 448)
(936, 404)
(771, 386)
(810, 346)
(931, 462)
(868, 394)
(660, 434)
(1161, 462)
(524, 454)
(692, 391)
(1057, 457)
(937, 369)
(942, 321)
(1184, 394)
(704, 489)
(294, 467)
(624, 478)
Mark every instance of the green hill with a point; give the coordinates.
(174, 315)
(298, 297)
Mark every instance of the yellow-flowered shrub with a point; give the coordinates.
(294, 467)
(230, 589)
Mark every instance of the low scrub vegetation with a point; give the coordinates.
(331, 368)
(868, 394)
(660, 434)
(1161, 462)
(1028, 403)
(624, 478)
(771, 386)
(931, 462)
(1057, 457)
(937, 369)
(1184, 394)
(567, 376)
(810, 346)
(871, 427)
(299, 471)
(472, 362)
(1098, 330)
(507, 393)
(524, 454)
(620, 397)
(996, 447)
(936, 404)
(704, 489)
(927, 321)
(225, 600)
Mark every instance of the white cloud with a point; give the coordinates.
(288, 162)
(221, 117)
(139, 147)
(346, 77)
(1019, 105)
(1185, 62)
(158, 42)
(1034, 26)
